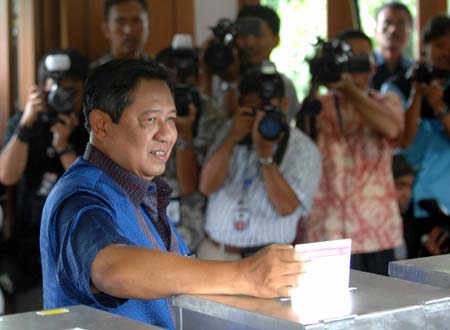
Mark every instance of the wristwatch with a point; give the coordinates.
(265, 161)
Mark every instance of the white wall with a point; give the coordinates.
(208, 12)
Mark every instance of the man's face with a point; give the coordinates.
(393, 29)
(403, 186)
(438, 52)
(142, 140)
(257, 48)
(69, 83)
(253, 101)
(361, 47)
(126, 29)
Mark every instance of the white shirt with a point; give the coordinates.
(300, 166)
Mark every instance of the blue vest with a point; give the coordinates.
(85, 177)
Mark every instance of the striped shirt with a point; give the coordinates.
(301, 167)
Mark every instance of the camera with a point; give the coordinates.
(273, 125)
(184, 60)
(59, 98)
(332, 58)
(268, 85)
(426, 73)
(219, 53)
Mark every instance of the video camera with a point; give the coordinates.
(332, 58)
(59, 98)
(219, 53)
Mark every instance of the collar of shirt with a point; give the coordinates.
(134, 186)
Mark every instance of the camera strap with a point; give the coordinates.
(337, 108)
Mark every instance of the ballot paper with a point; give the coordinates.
(323, 290)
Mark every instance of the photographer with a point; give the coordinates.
(238, 47)
(355, 133)
(125, 25)
(427, 133)
(260, 176)
(41, 143)
(197, 121)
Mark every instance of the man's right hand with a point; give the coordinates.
(36, 104)
(273, 272)
(242, 123)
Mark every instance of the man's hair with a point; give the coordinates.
(79, 66)
(395, 5)
(353, 34)
(438, 26)
(110, 86)
(251, 83)
(264, 13)
(111, 3)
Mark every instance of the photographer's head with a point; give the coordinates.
(130, 115)
(393, 27)
(125, 25)
(361, 46)
(62, 73)
(257, 46)
(436, 41)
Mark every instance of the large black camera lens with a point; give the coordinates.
(61, 100)
(272, 125)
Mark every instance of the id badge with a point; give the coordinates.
(241, 218)
(174, 211)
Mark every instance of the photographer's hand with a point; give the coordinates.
(242, 124)
(36, 104)
(61, 134)
(435, 240)
(185, 124)
(187, 167)
(435, 96)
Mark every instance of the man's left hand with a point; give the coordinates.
(62, 130)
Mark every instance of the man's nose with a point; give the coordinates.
(126, 28)
(165, 132)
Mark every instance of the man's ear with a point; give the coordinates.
(276, 41)
(100, 123)
(284, 104)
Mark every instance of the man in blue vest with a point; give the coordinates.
(106, 240)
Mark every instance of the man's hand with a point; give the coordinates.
(36, 104)
(185, 124)
(434, 93)
(242, 124)
(62, 130)
(273, 272)
(436, 238)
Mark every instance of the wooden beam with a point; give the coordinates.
(28, 47)
(427, 9)
(184, 17)
(339, 17)
(6, 71)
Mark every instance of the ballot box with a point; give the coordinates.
(430, 270)
(70, 318)
(372, 302)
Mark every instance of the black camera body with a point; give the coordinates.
(273, 125)
(426, 73)
(332, 58)
(219, 53)
(60, 100)
(185, 62)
